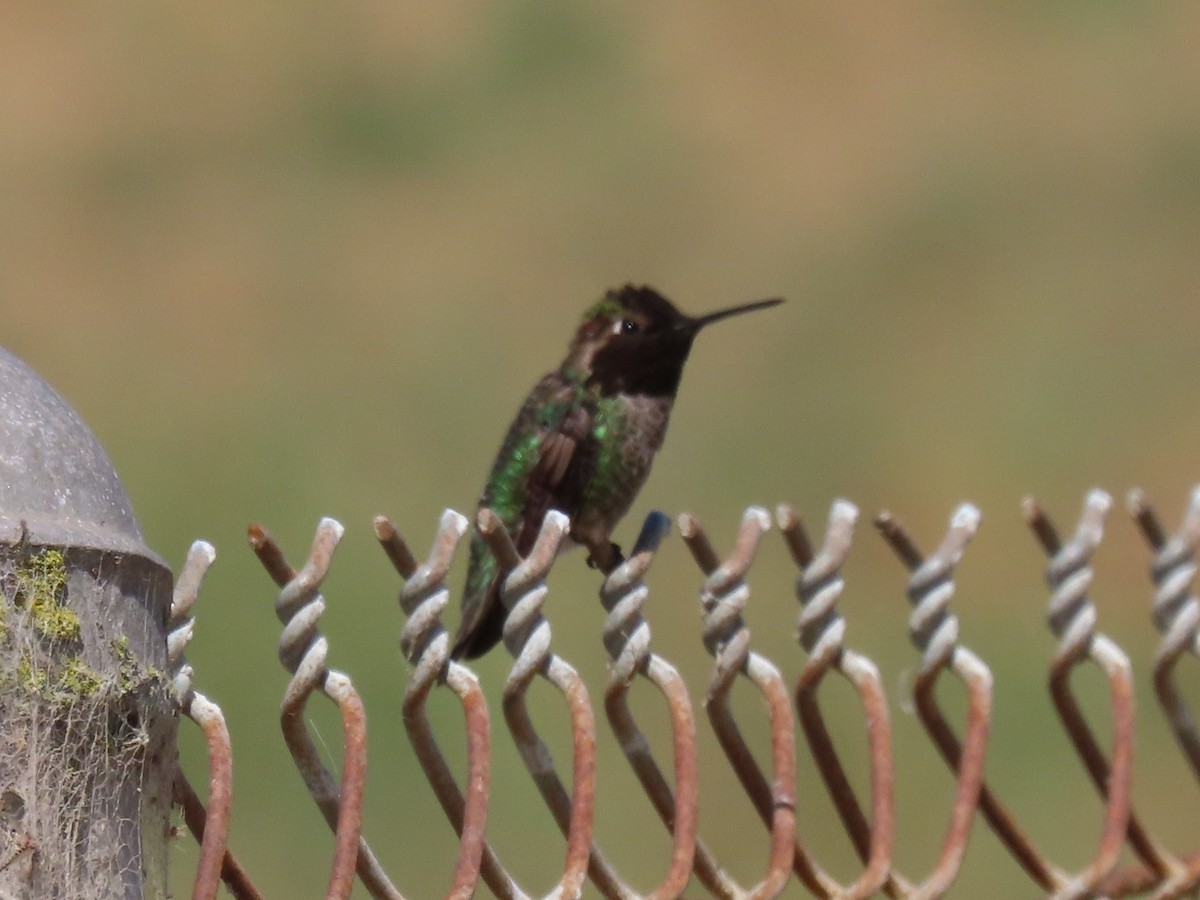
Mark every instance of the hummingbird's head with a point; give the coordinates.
(635, 341)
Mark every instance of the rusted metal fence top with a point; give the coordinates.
(671, 785)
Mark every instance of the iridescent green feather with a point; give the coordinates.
(505, 496)
(507, 486)
(609, 430)
(606, 308)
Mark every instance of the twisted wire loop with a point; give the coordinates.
(1073, 620)
(303, 651)
(210, 827)
(1176, 611)
(527, 637)
(934, 632)
(1000, 820)
(1177, 615)
(821, 632)
(425, 645)
(627, 639)
(723, 596)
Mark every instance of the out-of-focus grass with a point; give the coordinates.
(302, 260)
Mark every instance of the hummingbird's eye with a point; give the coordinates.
(629, 326)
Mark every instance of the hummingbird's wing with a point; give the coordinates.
(565, 461)
(545, 463)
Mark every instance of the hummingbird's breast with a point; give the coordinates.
(629, 430)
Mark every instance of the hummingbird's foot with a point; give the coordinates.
(608, 558)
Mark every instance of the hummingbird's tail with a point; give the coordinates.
(483, 611)
(478, 635)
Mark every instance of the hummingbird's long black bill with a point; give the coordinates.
(700, 321)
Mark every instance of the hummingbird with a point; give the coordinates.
(583, 441)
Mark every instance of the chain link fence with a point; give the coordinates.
(868, 822)
(93, 677)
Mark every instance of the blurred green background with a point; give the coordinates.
(304, 259)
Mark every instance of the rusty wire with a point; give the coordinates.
(627, 640)
(723, 597)
(425, 645)
(1176, 614)
(1002, 822)
(303, 651)
(727, 639)
(934, 632)
(1072, 618)
(527, 638)
(209, 826)
(821, 632)
(1176, 611)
